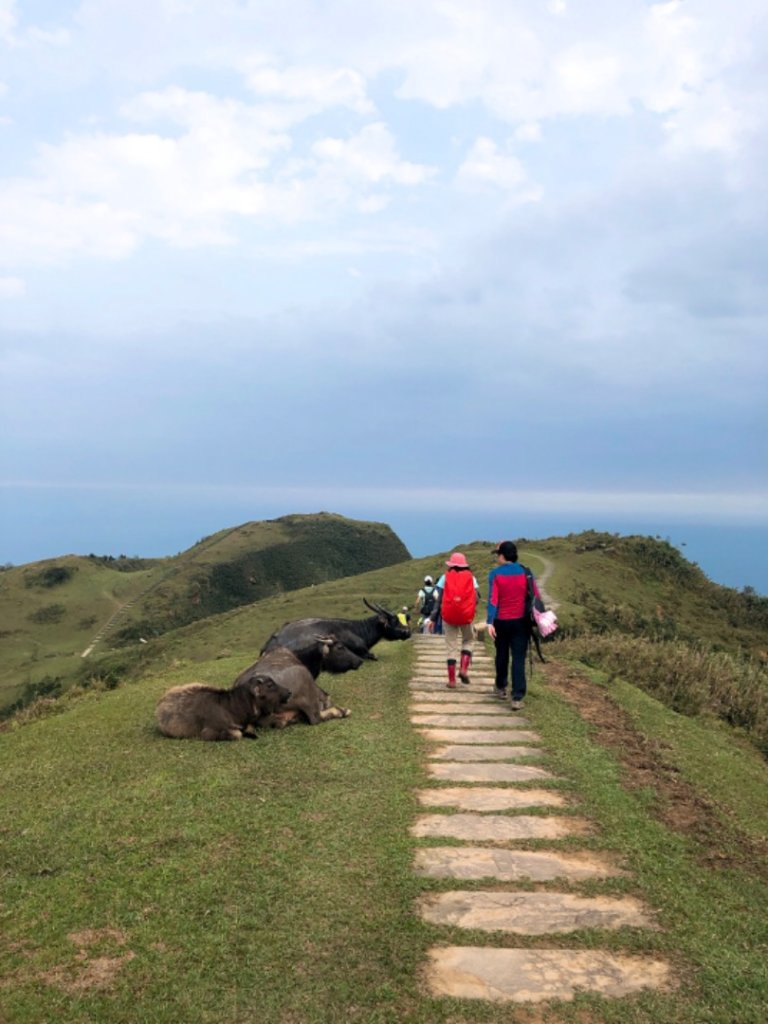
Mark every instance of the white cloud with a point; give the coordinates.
(746, 507)
(708, 122)
(8, 19)
(528, 131)
(323, 87)
(11, 287)
(486, 165)
(102, 194)
(370, 155)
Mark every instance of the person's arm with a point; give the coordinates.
(493, 604)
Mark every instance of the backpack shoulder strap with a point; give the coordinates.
(532, 622)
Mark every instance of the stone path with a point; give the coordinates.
(483, 802)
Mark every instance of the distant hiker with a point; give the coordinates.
(458, 594)
(404, 616)
(425, 602)
(508, 621)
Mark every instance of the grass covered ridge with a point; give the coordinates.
(179, 882)
(52, 611)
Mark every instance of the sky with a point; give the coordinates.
(496, 262)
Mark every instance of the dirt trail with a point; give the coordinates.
(543, 579)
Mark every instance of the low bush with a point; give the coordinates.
(51, 576)
(50, 687)
(687, 677)
(48, 615)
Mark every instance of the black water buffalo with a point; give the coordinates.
(317, 653)
(307, 700)
(204, 712)
(358, 635)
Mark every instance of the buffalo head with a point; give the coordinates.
(268, 695)
(337, 657)
(393, 628)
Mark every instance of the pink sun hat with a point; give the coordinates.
(457, 561)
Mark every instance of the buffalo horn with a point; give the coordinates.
(377, 608)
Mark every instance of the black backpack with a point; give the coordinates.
(530, 601)
(428, 603)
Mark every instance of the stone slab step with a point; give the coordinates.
(440, 665)
(440, 660)
(538, 975)
(469, 721)
(478, 862)
(438, 695)
(476, 752)
(455, 771)
(480, 665)
(459, 707)
(440, 682)
(489, 798)
(532, 913)
(506, 735)
(496, 827)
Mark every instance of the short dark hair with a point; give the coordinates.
(508, 550)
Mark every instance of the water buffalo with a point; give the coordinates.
(204, 712)
(358, 635)
(316, 653)
(307, 700)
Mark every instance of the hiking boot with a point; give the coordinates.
(451, 674)
(501, 694)
(466, 657)
(516, 705)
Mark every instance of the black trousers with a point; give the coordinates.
(512, 637)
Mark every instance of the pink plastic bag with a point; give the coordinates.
(546, 622)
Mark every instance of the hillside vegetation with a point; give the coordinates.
(179, 882)
(52, 611)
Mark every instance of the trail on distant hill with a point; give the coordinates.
(549, 568)
(180, 562)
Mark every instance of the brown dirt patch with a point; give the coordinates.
(679, 806)
(90, 972)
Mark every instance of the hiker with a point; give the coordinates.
(458, 594)
(404, 616)
(508, 621)
(425, 602)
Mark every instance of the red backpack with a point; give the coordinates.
(459, 598)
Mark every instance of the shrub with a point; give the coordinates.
(51, 576)
(50, 686)
(49, 614)
(690, 678)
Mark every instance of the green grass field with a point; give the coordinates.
(146, 879)
(180, 882)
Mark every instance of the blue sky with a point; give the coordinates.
(382, 258)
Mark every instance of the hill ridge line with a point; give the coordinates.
(183, 560)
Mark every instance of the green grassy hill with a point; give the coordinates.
(52, 611)
(178, 882)
(643, 586)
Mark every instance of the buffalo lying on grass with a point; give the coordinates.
(204, 712)
(307, 700)
(358, 635)
(317, 653)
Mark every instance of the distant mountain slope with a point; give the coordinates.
(252, 577)
(53, 611)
